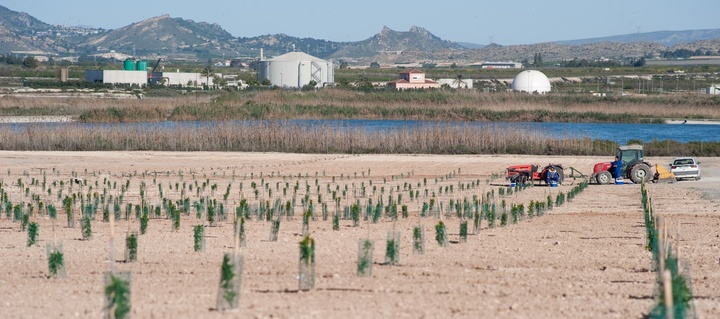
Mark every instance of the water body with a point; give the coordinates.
(619, 133)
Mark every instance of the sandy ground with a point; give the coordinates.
(585, 259)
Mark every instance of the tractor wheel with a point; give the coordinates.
(561, 174)
(603, 178)
(640, 173)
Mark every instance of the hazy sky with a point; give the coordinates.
(505, 22)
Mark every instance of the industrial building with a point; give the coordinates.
(413, 79)
(501, 65)
(133, 73)
(139, 78)
(295, 70)
(136, 72)
(531, 81)
(181, 79)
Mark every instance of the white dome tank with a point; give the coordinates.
(531, 81)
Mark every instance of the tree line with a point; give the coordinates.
(28, 61)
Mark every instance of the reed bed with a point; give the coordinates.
(280, 136)
(380, 104)
(473, 105)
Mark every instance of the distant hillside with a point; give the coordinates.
(666, 38)
(17, 30)
(277, 44)
(390, 41)
(161, 35)
(21, 23)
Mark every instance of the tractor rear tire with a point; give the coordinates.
(561, 174)
(603, 178)
(640, 173)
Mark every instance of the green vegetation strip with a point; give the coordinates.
(679, 304)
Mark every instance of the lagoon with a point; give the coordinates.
(620, 133)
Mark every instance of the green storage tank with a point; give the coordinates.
(129, 65)
(141, 65)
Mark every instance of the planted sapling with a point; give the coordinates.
(33, 229)
(117, 295)
(336, 221)
(274, 229)
(131, 243)
(392, 248)
(441, 234)
(365, 258)
(463, 231)
(306, 272)
(230, 280)
(241, 230)
(56, 261)
(86, 227)
(199, 238)
(418, 240)
(144, 223)
(306, 223)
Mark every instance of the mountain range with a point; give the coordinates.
(177, 38)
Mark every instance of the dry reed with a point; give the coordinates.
(281, 136)
(345, 104)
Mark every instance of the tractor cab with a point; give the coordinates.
(630, 155)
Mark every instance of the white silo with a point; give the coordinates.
(296, 69)
(531, 81)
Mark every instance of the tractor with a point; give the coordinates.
(634, 167)
(521, 174)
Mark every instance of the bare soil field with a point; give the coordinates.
(584, 259)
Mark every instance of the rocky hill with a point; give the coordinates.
(393, 42)
(18, 31)
(161, 35)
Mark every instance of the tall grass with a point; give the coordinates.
(381, 104)
(282, 136)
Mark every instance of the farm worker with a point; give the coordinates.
(552, 175)
(616, 168)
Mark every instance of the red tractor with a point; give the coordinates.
(522, 174)
(634, 167)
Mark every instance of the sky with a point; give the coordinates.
(473, 21)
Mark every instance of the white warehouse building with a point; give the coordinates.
(138, 78)
(296, 69)
(183, 79)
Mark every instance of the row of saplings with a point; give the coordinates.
(117, 284)
(674, 295)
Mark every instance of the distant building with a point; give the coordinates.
(713, 89)
(501, 65)
(132, 77)
(295, 70)
(189, 79)
(413, 79)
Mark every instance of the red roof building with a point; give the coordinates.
(413, 79)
